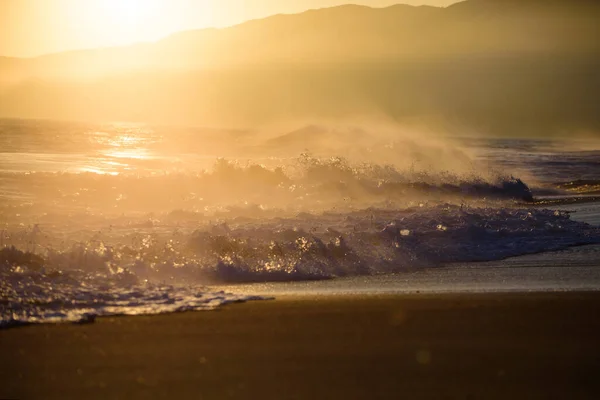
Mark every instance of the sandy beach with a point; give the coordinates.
(443, 346)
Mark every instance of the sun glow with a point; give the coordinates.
(132, 12)
(30, 28)
(120, 22)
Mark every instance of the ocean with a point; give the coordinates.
(125, 219)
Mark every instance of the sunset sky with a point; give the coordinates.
(34, 27)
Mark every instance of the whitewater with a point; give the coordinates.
(126, 219)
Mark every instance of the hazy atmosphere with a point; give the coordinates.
(405, 197)
(486, 67)
(30, 28)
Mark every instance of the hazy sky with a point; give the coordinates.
(34, 27)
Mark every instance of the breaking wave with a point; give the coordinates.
(80, 245)
(129, 219)
(125, 272)
(305, 184)
(33, 292)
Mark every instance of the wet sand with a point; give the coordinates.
(444, 346)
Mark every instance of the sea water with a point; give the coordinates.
(123, 218)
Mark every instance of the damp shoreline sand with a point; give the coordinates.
(454, 346)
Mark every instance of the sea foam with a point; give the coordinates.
(164, 272)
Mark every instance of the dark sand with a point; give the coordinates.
(449, 346)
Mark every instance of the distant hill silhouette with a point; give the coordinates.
(489, 65)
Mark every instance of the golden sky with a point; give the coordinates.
(33, 27)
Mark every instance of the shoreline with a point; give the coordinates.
(444, 345)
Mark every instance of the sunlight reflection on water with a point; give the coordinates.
(121, 145)
(98, 171)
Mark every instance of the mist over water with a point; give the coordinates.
(120, 169)
(125, 217)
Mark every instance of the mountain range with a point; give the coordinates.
(501, 66)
